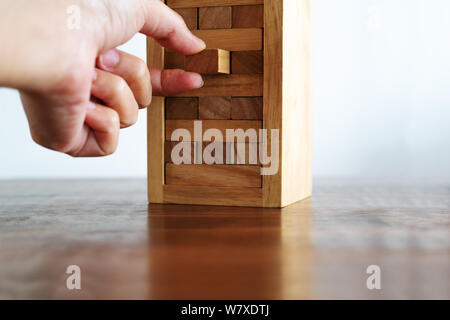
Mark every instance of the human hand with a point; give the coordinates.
(76, 88)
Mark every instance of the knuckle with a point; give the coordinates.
(112, 121)
(120, 85)
(141, 71)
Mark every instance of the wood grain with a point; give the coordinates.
(247, 62)
(215, 18)
(240, 157)
(210, 3)
(273, 91)
(169, 145)
(222, 125)
(189, 16)
(232, 39)
(173, 60)
(247, 108)
(155, 131)
(213, 175)
(214, 108)
(181, 108)
(235, 196)
(190, 251)
(212, 61)
(248, 16)
(247, 85)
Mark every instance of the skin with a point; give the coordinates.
(77, 90)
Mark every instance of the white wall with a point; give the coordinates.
(382, 89)
(381, 100)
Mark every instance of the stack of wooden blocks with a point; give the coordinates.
(256, 73)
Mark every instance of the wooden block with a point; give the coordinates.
(155, 130)
(214, 108)
(189, 16)
(248, 108)
(235, 196)
(215, 18)
(221, 125)
(232, 39)
(247, 62)
(173, 60)
(213, 61)
(241, 85)
(213, 175)
(244, 153)
(248, 16)
(181, 108)
(168, 147)
(210, 3)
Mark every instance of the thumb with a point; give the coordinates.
(152, 18)
(169, 29)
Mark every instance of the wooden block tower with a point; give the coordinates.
(263, 86)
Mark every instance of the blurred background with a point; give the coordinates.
(381, 108)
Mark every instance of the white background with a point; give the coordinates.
(381, 101)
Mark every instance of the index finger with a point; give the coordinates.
(169, 29)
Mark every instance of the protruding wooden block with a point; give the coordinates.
(189, 16)
(248, 16)
(181, 108)
(173, 60)
(248, 108)
(215, 18)
(214, 108)
(213, 175)
(238, 39)
(215, 61)
(240, 85)
(247, 62)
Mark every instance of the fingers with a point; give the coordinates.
(115, 93)
(133, 70)
(169, 82)
(169, 29)
(102, 125)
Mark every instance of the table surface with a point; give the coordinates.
(316, 249)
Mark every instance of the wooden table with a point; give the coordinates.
(319, 248)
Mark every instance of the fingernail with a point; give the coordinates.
(198, 80)
(110, 59)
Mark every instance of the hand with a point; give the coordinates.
(76, 88)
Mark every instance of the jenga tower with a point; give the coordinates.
(256, 70)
